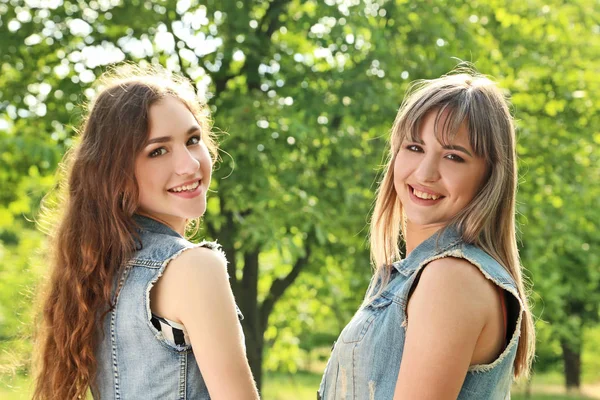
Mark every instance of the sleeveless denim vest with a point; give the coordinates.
(135, 360)
(365, 360)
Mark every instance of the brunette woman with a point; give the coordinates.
(135, 310)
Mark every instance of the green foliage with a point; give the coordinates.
(20, 270)
(15, 387)
(307, 91)
(278, 386)
(590, 358)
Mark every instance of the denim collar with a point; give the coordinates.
(151, 225)
(437, 243)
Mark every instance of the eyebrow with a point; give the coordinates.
(165, 139)
(459, 148)
(449, 147)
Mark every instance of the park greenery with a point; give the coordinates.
(303, 94)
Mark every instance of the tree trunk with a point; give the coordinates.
(572, 363)
(254, 350)
(248, 303)
(256, 316)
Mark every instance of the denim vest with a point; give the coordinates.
(365, 360)
(135, 360)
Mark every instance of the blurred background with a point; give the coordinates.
(303, 94)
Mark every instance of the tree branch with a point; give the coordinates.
(280, 285)
(271, 22)
(270, 18)
(226, 235)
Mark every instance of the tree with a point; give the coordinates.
(306, 91)
(554, 92)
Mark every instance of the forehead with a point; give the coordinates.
(442, 123)
(169, 114)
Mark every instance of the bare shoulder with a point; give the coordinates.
(203, 302)
(199, 260)
(452, 265)
(452, 276)
(450, 306)
(198, 270)
(192, 276)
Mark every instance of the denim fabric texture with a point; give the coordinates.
(135, 361)
(365, 360)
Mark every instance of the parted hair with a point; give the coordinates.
(92, 211)
(488, 221)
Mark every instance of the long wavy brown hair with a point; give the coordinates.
(95, 232)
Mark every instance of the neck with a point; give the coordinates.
(417, 234)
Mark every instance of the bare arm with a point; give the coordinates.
(195, 291)
(449, 309)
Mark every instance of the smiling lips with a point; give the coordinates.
(188, 187)
(424, 197)
(188, 190)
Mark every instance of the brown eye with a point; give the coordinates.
(455, 157)
(194, 140)
(414, 148)
(158, 152)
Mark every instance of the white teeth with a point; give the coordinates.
(186, 187)
(425, 196)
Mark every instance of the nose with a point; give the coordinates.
(186, 162)
(428, 170)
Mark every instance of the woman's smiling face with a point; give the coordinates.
(174, 168)
(435, 181)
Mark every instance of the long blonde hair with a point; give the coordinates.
(95, 232)
(489, 220)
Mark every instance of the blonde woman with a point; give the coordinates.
(451, 319)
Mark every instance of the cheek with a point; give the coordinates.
(398, 169)
(147, 178)
(206, 162)
(469, 184)
(139, 177)
(480, 177)
(401, 170)
(143, 187)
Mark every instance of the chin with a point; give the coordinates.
(193, 214)
(425, 221)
